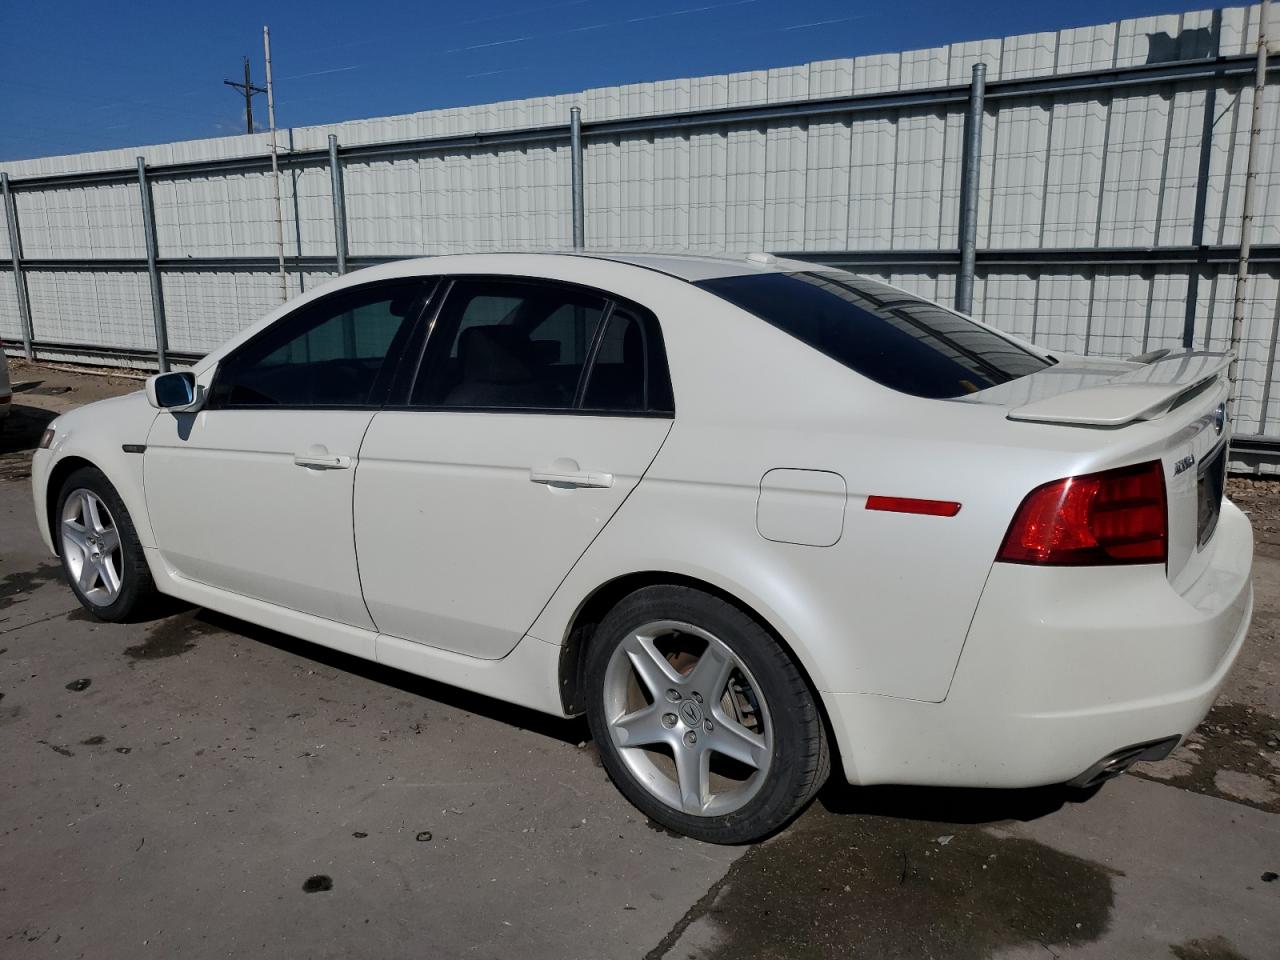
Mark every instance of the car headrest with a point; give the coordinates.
(494, 354)
(544, 352)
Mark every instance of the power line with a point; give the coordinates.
(247, 89)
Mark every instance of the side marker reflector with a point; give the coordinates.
(930, 508)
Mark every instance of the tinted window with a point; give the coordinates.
(328, 353)
(629, 373)
(509, 343)
(882, 333)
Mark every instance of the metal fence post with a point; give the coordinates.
(1247, 208)
(339, 204)
(1202, 188)
(969, 191)
(297, 213)
(20, 281)
(575, 177)
(153, 271)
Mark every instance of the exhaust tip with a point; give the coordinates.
(1118, 761)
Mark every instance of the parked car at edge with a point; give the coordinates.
(755, 518)
(6, 391)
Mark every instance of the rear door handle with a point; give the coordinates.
(565, 473)
(318, 457)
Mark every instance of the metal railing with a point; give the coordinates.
(1210, 74)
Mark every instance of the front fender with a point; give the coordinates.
(97, 433)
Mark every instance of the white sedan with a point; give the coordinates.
(752, 517)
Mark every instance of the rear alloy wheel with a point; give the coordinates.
(99, 547)
(701, 718)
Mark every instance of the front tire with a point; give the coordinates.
(101, 554)
(702, 719)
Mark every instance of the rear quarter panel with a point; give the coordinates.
(886, 608)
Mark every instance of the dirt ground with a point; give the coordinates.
(40, 393)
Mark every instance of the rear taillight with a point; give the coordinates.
(1117, 516)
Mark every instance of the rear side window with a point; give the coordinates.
(506, 343)
(629, 373)
(510, 344)
(888, 336)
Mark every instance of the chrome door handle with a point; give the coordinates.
(321, 461)
(557, 477)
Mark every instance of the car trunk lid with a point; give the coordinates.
(1084, 392)
(1172, 409)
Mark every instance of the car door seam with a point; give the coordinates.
(573, 566)
(355, 547)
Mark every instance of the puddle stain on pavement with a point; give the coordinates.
(1212, 948)
(15, 586)
(171, 637)
(840, 885)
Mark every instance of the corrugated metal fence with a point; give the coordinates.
(1111, 177)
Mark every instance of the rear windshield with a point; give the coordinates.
(884, 334)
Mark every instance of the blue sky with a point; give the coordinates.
(81, 76)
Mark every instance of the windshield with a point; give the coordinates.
(884, 334)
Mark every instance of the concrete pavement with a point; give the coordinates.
(198, 787)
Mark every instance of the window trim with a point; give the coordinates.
(399, 399)
(429, 287)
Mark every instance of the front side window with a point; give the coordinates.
(501, 343)
(888, 336)
(332, 352)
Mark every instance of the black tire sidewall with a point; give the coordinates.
(796, 725)
(132, 587)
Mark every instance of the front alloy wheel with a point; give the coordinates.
(103, 559)
(91, 547)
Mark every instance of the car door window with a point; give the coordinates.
(329, 353)
(629, 372)
(509, 344)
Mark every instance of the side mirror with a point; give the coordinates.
(176, 392)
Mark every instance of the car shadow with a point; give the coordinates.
(21, 429)
(572, 731)
(933, 804)
(948, 804)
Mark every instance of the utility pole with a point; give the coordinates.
(1250, 198)
(275, 163)
(248, 90)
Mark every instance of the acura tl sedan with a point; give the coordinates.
(752, 517)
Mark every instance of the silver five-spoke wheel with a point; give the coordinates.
(688, 719)
(91, 547)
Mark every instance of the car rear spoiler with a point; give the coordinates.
(1143, 394)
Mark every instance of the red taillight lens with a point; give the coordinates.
(1118, 516)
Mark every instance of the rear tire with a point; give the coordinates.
(101, 554)
(703, 721)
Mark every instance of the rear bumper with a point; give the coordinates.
(1061, 669)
